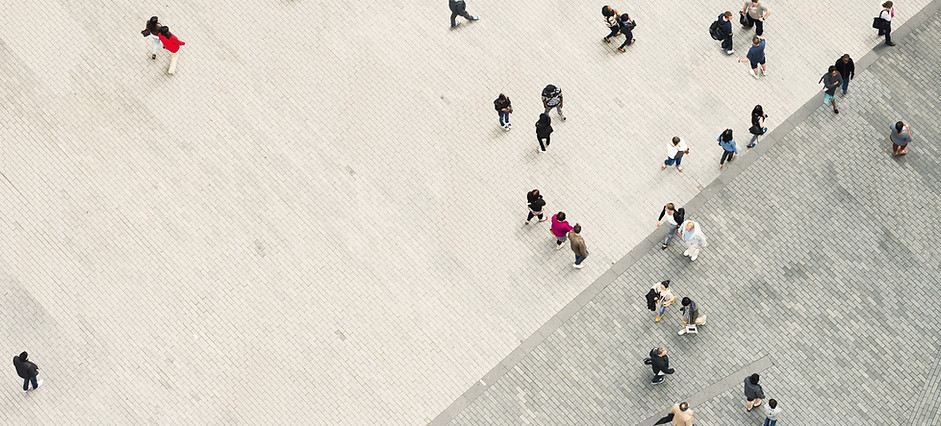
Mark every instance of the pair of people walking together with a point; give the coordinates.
(161, 34)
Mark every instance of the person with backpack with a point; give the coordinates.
(152, 30)
(535, 203)
(728, 146)
(459, 8)
(627, 28)
(676, 149)
(831, 80)
(552, 98)
(611, 16)
(543, 130)
(884, 22)
(504, 109)
(675, 217)
(757, 128)
(721, 30)
(173, 44)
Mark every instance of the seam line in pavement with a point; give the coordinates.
(731, 171)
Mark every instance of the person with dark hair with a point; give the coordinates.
(543, 130)
(663, 296)
(627, 28)
(757, 128)
(690, 315)
(725, 29)
(560, 229)
(459, 8)
(753, 392)
(535, 203)
(847, 70)
(171, 43)
(611, 17)
(660, 364)
(552, 98)
(504, 109)
(831, 80)
(578, 246)
(680, 415)
(900, 137)
(756, 56)
(772, 412)
(728, 146)
(152, 30)
(27, 371)
(754, 13)
(885, 17)
(676, 149)
(675, 217)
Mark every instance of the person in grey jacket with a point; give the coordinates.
(753, 392)
(27, 371)
(831, 81)
(693, 237)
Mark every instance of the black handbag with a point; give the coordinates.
(743, 19)
(878, 23)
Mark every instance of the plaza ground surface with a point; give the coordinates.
(318, 219)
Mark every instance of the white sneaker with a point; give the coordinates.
(38, 384)
(729, 52)
(686, 253)
(693, 258)
(542, 150)
(681, 332)
(753, 74)
(577, 266)
(558, 246)
(764, 72)
(562, 117)
(509, 125)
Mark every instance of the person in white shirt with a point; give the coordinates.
(674, 217)
(676, 149)
(886, 15)
(772, 412)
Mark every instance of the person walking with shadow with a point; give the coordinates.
(757, 128)
(459, 8)
(728, 146)
(543, 131)
(660, 363)
(535, 203)
(173, 44)
(27, 370)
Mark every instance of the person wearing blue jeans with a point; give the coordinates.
(847, 70)
(772, 412)
(504, 108)
(664, 297)
(578, 246)
(675, 216)
(676, 149)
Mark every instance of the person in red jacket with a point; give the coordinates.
(171, 43)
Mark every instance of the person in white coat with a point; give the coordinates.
(694, 238)
(676, 149)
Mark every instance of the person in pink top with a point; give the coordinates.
(560, 229)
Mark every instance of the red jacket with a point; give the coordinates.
(172, 44)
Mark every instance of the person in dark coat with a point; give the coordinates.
(847, 70)
(459, 8)
(660, 364)
(543, 130)
(753, 392)
(536, 203)
(831, 80)
(626, 27)
(27, 371)
(725, 28)
(504, 109)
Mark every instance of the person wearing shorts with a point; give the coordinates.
(756, 57)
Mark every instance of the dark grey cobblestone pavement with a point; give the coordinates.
(823, 256)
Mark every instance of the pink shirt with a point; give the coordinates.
(559, 228)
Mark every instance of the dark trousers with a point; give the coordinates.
(628, 36)
(541, 146)
(531, 214)
(614, 32)
(759, 25)
(727, 43)
(26, 383)
(465, 15)
(887, 30)
(726, 155)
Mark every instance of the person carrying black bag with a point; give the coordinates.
(883, 22)
(627, 26)
(757, 128)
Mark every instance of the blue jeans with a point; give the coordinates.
(846, 83)
(504, 118)
(670, 161)
(579, 259)
(670, 233)
(26, 383)
(662, 308)
(769, 422)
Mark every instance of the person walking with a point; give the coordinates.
(757, 128)
(676, 149)
(27, 370)
(885, 20)
(847, 70)
(674, 217)
(663, 296)
(900, 137)
(753, 392)
(755, 14)
(611, 20)
(660, 363)
(680, 415)
(504, 109)
(725, 30)
(535, 203)
(690, 315)
(543, 130)
(171, 43)
(694, 238)
(831, 80)
(756, 56)
(728, 146)
(578, 246)
(627, 28)
(552, 98)
(772, 412)
(152, 30)
(459, 8)
(560, 229)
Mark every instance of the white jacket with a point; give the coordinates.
(698, 238)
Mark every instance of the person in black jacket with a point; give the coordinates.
(543, 130)
(627, 27)
(757, 128)
(847, 70)
(725, 28)
(660, 363)
(459, 8)
(503, 107)
(675, 216)
(536, 203)
(27, 370)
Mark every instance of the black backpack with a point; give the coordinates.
(550, 91)
(714, 30)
